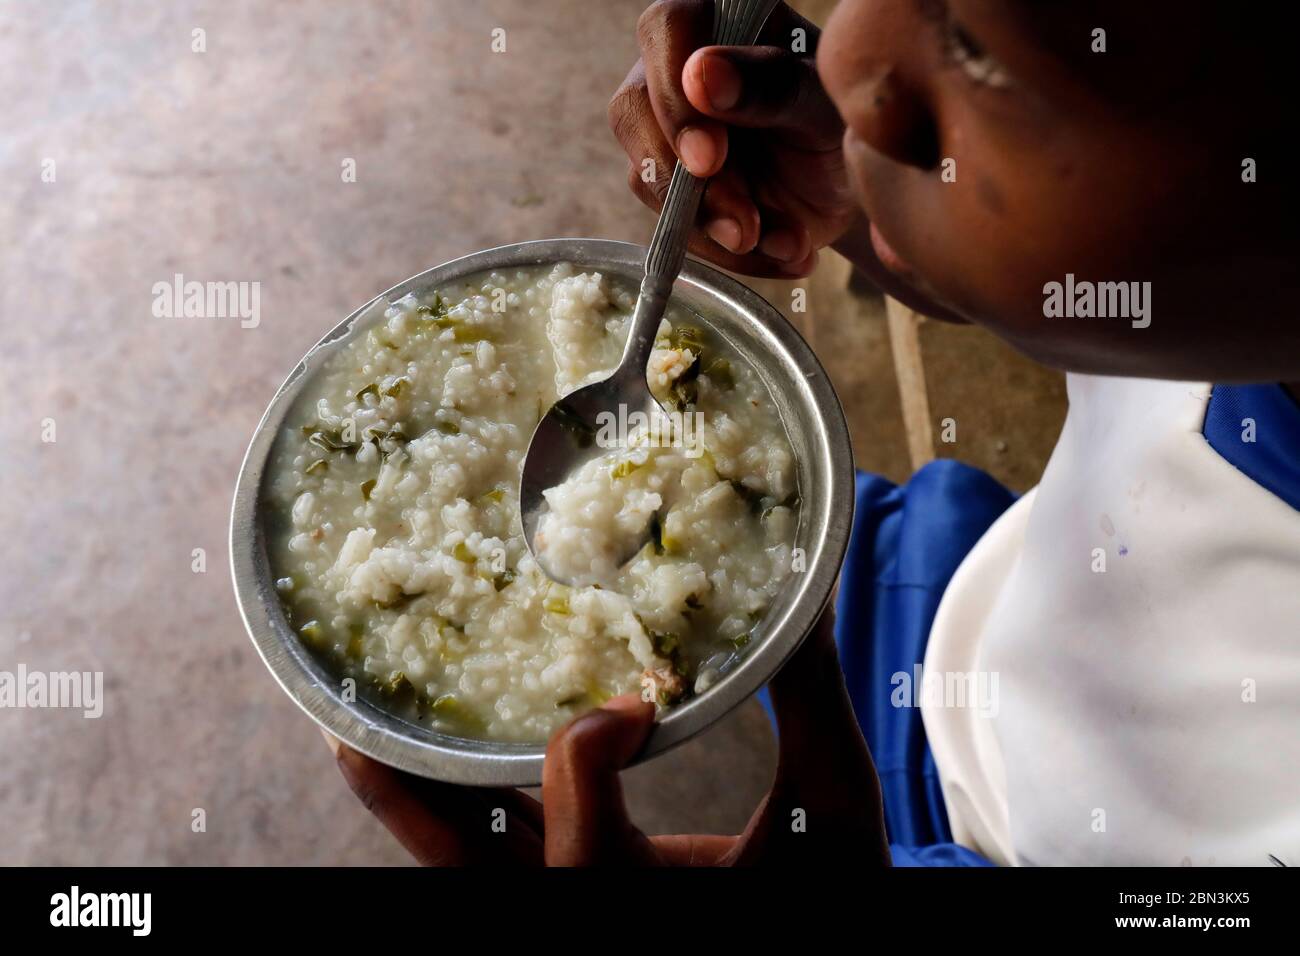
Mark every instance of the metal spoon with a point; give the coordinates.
(563, 439)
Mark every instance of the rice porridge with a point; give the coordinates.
(394, 531)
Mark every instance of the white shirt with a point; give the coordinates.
(1147, 713)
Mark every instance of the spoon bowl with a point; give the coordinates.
(567, 437)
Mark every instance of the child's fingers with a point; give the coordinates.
(695, 849)
(582, 798)
(728, 214)
(702, 246)
(668, 32)
(633, 123)
(763, 88)
(442, 824)
(728, 224)
(784, 238)
(728, 209)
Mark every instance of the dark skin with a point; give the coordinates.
(1116, 166)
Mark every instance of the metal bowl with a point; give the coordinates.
(819, 436)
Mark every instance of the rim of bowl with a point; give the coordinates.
(398, 743)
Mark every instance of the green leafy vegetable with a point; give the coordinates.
(686, 388)
(625, 468)
(665, 645)
(656, 533)
(451, 708)
(399, 385)
(387, 441)
(329, 440)
(436, 313)
(312, 632)
(400, 691)
(472, 333)
(354, 649)
(720, 374)
(400, 600)
(687, 337)
(495, 496)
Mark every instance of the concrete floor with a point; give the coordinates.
(225, 165)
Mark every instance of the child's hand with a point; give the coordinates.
(824, 805)
(755, 119)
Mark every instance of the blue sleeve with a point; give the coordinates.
(936, 854)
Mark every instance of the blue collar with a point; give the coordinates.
(1256, 428)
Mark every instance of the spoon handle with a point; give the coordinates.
(735, 23)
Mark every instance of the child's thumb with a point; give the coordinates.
(763, 88)
(586, 819)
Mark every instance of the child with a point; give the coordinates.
(1100, 184)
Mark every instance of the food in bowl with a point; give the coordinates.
(393, 524)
